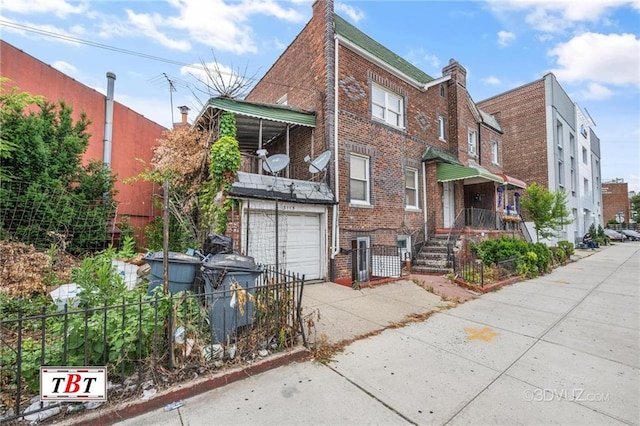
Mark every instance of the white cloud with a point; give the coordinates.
(612, 59)
(505, 38)
(65, 67)
(352, 12)
(148, 25)
(492, 80)
(420, 56)
(60, 8)
(558, 15)
(596, 91)
(223, 25)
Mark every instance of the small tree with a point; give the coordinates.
(635, 208)
(546, 209)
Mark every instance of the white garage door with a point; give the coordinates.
(299, 245)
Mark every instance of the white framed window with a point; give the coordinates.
(442, 92)
(585, 156)
(559, 134)
(411, 188)
(387, 106)
(441, 128)
(359, 179)
(473, 142)
(494, 152)
(586, 187)
(561, 173)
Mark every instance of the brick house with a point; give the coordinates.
(616, 201)
(132, 135)
(549, 140)
(409, 153)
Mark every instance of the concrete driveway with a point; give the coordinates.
(560, 349)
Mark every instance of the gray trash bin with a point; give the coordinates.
(182, 270)
(220, 272)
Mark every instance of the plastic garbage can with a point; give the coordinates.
(220, 272)
(182, 270)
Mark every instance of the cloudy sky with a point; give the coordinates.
(157, 49)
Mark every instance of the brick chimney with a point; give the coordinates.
(458, 72)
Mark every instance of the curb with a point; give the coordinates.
(126, 410)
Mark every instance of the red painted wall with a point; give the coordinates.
(134, 136)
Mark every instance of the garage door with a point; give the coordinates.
(299, 243)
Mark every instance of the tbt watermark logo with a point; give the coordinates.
(73, 384)
(568, 394)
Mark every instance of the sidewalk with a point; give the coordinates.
(340, 316)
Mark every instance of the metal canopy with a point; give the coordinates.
(439, 155)
(249, 115)
(448, 172)
(512, 182)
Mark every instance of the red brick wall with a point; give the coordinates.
(615, 198)
(521, 113)
(134, 136)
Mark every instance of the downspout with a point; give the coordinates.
(424, 198)
(336, 210)
(108, 121)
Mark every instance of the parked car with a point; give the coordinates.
(614, 235)
(630, 234)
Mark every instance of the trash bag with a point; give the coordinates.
(217, 244)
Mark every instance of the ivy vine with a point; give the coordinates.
(224, 165)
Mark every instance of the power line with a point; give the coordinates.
(71, 39)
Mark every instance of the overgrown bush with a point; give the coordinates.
(568, 247)
(532, 259)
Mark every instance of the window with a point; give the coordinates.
(283, 100)
(359, 182)
(573, 176)
(494, 152)
(586, 187)
(585, 156)
(441, 128)
(473, 142)
(561, 173)
(572, 144)
(387, 106)
(442, 90)
(411, 188)
(559, 134)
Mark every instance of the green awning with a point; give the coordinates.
(439, 155)
(448, 172)
(280, 113)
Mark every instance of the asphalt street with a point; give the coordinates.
(563, 348)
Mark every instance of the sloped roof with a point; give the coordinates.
(249, 185)
(363, 41)
(448, 172)
(439, 155)
(281, 113)
(489, 120)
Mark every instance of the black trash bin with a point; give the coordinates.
(219, 273)
(182, 270)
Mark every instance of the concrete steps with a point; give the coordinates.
(433, 257)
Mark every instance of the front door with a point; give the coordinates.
(448, 204)
(360, 261)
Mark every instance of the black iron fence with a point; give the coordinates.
(374, 262)
(473, 271)
(157, 340)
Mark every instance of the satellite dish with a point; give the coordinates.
(320, 163)
(275, 163)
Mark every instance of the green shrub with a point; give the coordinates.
(568, 248)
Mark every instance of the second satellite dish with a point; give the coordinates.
(320, 163)
(275, 163)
